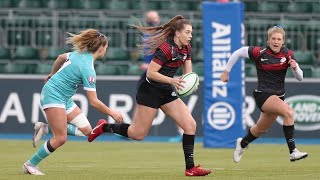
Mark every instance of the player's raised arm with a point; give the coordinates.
(240, 53)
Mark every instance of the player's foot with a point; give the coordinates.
(28, 168)
(297, 155)
(238, 152)
(97, 131)
(40, 130)
(197, 171)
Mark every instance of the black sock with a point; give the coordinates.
(50, 148)
(247, 139)
(188, 146)
(121, 129)
(289, 134)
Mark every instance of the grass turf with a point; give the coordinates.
(145, 160)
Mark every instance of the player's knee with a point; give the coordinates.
(191, 127)
(139, 137)
(289, 114)
(81, 122)
(86, 130)
(262, 130)
(60, 140)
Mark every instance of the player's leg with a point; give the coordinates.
(78, 124)
(148, 102)
(141, 122)
(57, 119)
(137, 130)
(182, 116)
(263, 124)
(277, 106)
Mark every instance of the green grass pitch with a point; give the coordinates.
(144, 160)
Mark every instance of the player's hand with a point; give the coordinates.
(196, 87)
(47, 78)
(292, 63)
(144, 66)
(117, 116)
(224, 77)
(178, 83)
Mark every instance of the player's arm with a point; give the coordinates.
(57, 64)
(187, 67)
(240, 53)
(296, 71)
(100, 106)
(153, 74)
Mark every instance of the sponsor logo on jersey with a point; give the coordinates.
(91, 80)
(283, 60)
(185, 56)
(306, 112)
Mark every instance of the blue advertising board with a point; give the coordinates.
(223, 103)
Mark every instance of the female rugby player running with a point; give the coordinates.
(272, 63)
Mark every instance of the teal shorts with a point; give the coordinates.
(50, 100)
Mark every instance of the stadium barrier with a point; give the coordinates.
(20, 105)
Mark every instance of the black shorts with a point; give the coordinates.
(154, 97)
(261, 97)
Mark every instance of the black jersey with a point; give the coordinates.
(171, 58)
(271, 68)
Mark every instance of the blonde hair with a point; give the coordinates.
(87, 40)
(276, 29)
(158, 34)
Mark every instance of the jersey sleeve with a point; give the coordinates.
(89, 79)
(160, 57)
(290, 53)
(254, 52)
(189, 52)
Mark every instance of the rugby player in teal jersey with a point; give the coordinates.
(62, 84)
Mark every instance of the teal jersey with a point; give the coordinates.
(78, 70)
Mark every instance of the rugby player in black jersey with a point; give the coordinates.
(170, 44)
(272, 63)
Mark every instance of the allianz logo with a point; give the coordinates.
(306, 112)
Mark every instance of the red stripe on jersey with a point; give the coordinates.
(256, 52)
(158, 61)
(274, 67)
(175, 64)
(166, 49)
(278, 55)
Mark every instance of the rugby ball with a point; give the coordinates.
(191, 82)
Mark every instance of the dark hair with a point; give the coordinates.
(87, 40)
(158, 34)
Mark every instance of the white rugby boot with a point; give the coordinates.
(40, 130)
(31, 169)
(297, 155)
(238, 151)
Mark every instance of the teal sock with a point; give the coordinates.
(41, 153)
(71, 130)
(49, 129)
